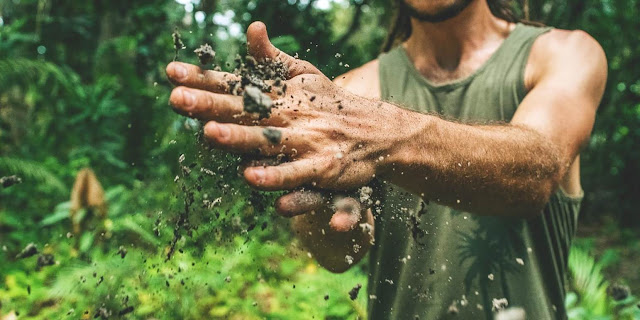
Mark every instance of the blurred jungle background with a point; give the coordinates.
(167, 229)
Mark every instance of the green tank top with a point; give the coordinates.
(458, 265)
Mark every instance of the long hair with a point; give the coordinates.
(400, 28)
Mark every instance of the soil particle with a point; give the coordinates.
(353, 293)
(205, 54)
(45, 260)
(618, 292)
(227, 279)
(499, 304)
(102, 313)
(326, 297)
(8, 181)
(28, 251)
(126, 310)
(274, 136)
(453, 309)
(177, 43)
(256, 102)
(122, 252)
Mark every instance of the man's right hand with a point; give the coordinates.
(338, 232)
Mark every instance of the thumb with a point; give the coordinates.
(261, 48)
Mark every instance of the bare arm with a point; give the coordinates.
(509, 168)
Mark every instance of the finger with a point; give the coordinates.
(299, 202)
(261, 48)
(206, 105)
(240, 138)
(348, 215)
(189, 75)
(286, 176)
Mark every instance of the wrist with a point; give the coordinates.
(408, 141)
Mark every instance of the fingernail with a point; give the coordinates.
(223, 132)
(188, 98)
(179, 71)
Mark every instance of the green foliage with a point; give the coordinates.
(588, 298)
(82, 84)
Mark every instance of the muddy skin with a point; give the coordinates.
(28, 251)
(256, 102)
(8, 181)
(274, 136)
(205, 54)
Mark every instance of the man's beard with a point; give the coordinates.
(439, 16)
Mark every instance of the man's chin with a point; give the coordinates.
(440, 15)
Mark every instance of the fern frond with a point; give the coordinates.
(588, 282)
(26, 71)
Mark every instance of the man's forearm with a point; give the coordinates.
(501, 169)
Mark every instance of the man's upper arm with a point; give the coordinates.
(363, 81)
(567, 71)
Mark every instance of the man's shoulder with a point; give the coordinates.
(560, 47)
(363, 81)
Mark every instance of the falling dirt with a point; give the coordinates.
(28, 251)
(177, 43)
(353, 293)
(44, 260)
(205, 54)
(9, 181)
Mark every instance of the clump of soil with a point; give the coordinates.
(499, 304)
(8, 181)
(257, 78)
(274, 136)
(205, 54)
(618, 292)
(353, 293)
(28, 251)
(255, 101)
(44, 260)
(122, 252)
(177, 43)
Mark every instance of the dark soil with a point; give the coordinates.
(8, 181)
(28, 251)
(353, 293)
(44, 260)
(618, 292)
(274, 136)
(205, 54)
(255, 101)
(177, 43)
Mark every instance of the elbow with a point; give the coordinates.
(535, 201)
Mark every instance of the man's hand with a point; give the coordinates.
(333, 138)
